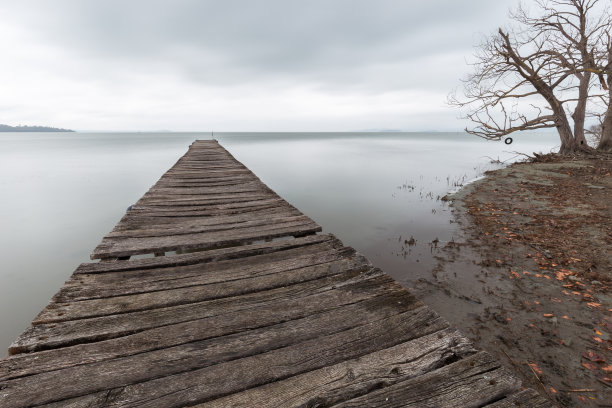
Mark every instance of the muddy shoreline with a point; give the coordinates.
(529, 276)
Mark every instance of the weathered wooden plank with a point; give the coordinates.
(208, 170)
(208, 225)
(208, 210)
(137, 212)
(200, 385)
(139, 222)
(208, 174)
(202, 211)
(222, 198)
(226, 167)
(163, 362)
(120, 247)
(212, 255)
(144, 221)
(230, 202)
(167, 215)
(186, 196)
(211, 181)
(208, 161)
(194, 330)
(207, 180)
(251, 186)
(174, 334)
(195, 158)
(177, 182)
(470, 382)
(168, 182)
(229, 205)
(164, 297)
(202, 143)
(523, 399)
(297, 260)
(230, 183)
(349, 379)
(349, 285)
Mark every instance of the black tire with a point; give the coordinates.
(508, 140)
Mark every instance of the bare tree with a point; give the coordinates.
(532, 76)
(604, 70)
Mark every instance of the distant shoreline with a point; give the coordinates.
(7, 128)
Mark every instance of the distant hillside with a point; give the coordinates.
(7, 128)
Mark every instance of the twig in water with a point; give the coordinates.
(509, 358)
(581, 390)
(523, 154)
(607, 384)
(540, 381)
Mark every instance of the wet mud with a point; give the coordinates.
(528, 274)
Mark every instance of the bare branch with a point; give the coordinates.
(550, 61)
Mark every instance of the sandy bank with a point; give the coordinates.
(529, 279)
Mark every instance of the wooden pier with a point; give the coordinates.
(240, 303)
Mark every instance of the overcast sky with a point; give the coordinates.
(238, 65)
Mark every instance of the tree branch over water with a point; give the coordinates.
(539, 73)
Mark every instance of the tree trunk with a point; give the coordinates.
(568, 142)
(579, 114)
(605, 143)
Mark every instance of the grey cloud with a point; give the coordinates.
(232, 42)
(314, 63)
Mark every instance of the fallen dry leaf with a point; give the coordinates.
(589, 366)
(591, 356)
(594, 304)
(535, 368)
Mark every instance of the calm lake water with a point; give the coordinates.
(62, 192)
